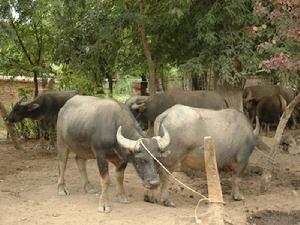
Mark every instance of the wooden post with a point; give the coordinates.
(216, 206)
(10, 127)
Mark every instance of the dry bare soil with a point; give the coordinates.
(28, 193)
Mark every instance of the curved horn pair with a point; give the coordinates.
(134, 146)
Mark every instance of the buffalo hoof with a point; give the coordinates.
(238, 197)
(104, 209)
(62, 190)
(51, 148)
(123, 199)
(88, 188)
(168, 203)
(40, 147)
(150, 199)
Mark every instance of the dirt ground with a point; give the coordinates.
(28, 193)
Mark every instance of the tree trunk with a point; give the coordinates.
(147, 51)
(36, 84)
(216, 79)
(110, 85)
(144, 85)
(284, 119)
(195, 82)
(10, 128)
(164, 83)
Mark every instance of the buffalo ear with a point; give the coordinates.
(32, 107)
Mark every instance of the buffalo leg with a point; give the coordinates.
(104, 199)
(52, 137)
(120, 181)
(81, 164)
(165, 196)
(62, 153)
(236, 177)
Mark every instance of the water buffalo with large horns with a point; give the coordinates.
(231, 131)
(43, 108)
(146, 109)
(105, 130)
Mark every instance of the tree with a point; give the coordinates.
(25, 38)
(89, 38)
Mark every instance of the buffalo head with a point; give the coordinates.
(141, 159)
(23, 110)
(137, 105)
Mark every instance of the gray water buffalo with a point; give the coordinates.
(148, 108)
(44, 108)
(105, 130)
(269, 110)
(231, 131)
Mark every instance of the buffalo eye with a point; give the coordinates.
(142, 161)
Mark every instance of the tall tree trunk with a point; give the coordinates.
(195, 82)
(36, 84)
(144, 85)
(10, 128)
(147, 51)
(164, 82)
(216, 79)
(110, 85)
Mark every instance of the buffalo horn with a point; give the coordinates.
(137, 106)
(164, 141)
(21, 101)
(131, 145)
(257, 127)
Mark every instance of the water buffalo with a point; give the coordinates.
(94, 128)
(43, 108)
(231, 131)
(269, 110)
(253, 94)
(148, 108)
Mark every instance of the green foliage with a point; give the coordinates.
(76, 81)
(27, 129)
(86, 42)
(26, 40)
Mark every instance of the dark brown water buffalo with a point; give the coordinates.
(105, 130)
(269, 110)
(231, 131)
(43, 108)
(148, 108)
(253, 94)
